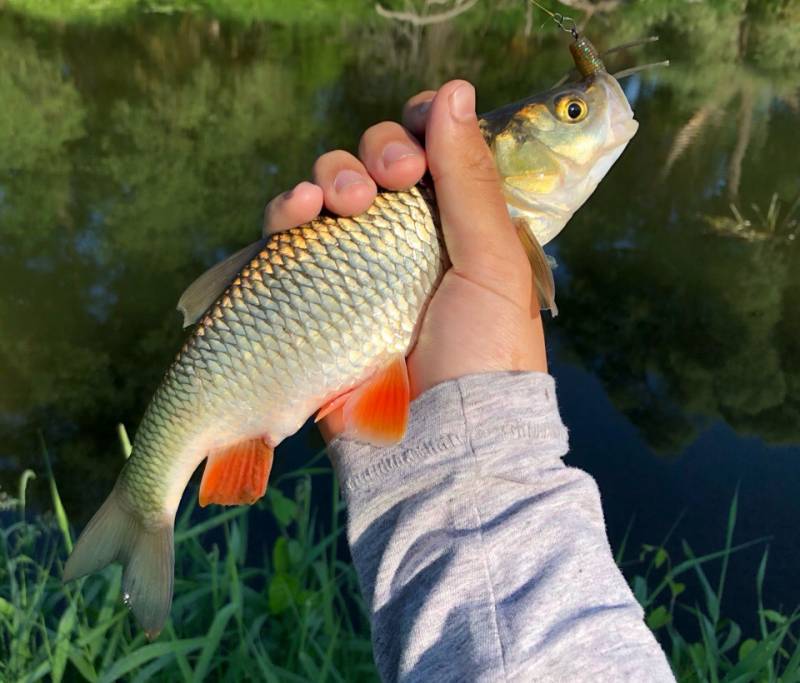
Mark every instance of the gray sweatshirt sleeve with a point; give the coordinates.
(481, 556)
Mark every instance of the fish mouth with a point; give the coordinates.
(620, 115)
(623, 131)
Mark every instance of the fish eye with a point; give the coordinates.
(571, 109)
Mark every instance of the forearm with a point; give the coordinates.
(481, 556)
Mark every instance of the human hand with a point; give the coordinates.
(484, 316)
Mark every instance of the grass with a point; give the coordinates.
(294, 614)
(717, 650)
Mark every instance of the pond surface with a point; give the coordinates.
(134, 153)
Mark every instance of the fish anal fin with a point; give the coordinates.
(541, 265)
(236, 474)
(377, 411)
(206, 289)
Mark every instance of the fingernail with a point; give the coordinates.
(462, 103)
(395, 151)
(346, 178)
(290, 193)
(422, 108)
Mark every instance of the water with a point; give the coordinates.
(136, 151)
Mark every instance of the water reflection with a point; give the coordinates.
(695, 319)
(121, 179)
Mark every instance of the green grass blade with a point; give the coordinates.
(791, 671)
(623, 545)
(211, 523)
(26, 476)
(148, 653)
(212, 640)
(65, 626)
(83, 665)
(124, 441)
(712, 601)
(732, 513)
(58, 507)
(758, 660)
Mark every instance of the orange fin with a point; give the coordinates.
(237, 474)
(377, 411)
(330, 406)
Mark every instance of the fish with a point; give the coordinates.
(322, 317)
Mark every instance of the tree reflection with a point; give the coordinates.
(685, 325)
(121, 179)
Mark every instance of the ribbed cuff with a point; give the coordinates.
(453, 424)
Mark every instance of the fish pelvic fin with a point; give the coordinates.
(541, 266)
(146, 553)
(377, 411)
(237, 474)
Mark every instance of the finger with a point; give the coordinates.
(346, 186)
(295, 207)
(415, 112)
(481, 240)
(392, 156)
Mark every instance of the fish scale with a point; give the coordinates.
(320, 308)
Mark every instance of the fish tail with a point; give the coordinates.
(147, 555)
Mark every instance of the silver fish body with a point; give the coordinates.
(317, 311)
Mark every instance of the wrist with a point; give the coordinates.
(454, 423)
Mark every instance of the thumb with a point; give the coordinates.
(481, 240)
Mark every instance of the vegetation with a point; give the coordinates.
(294, 614)
(241, 612)
(113, 11)
(683, 606)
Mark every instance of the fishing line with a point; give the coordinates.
(568, 25)
(563, 22)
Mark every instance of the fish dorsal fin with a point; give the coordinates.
(206, 289)
(542, 270)
(236, 474)
(377, 410)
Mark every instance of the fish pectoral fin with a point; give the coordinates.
(206, 289)
(377, 411)
(542, 267)
(236, 474)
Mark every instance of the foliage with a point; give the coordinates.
(293, 614)
(719, 651)
(112, 11)
(289, 615)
